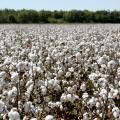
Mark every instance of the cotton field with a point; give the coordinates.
(60, 72)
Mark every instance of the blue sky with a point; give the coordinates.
(61, 4)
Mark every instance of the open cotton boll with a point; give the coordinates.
(103, 94)
(3, 74)
(60, 73)
(83, 87)
(29, 89)
(71, 69)
(70, 90)
(93, 76)
(69, 97)
(111, 64)
(32, 57)
(2, 106)
(78, 56)
(85, 95)
(91, 102)
(116, 112)
(13, 92)
(20, 66)
(27, 106)
(13, 114)
(49, 117)
(86, 116)
(29, 83)
(101, 61)
(43, 90)
(7, 61)
(14, 77)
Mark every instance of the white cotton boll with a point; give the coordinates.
(91, 102)
(78, 56)
(60, 73)
(93, 76)
(15, 77)
(102, 82)
(49, 83)
(101, 61)
(33, 119)
(97, 104)
(115, 93)
(3, 74)
(29, 83)
(70, 90)
(116, 114)
(58, 104)
(32, 56)
(39, 70)
(85, 95)
(68, 74)
(7, 61)
(2, 106)
(29, 89)
(119, 83)
(63, 98)
(13, 114)
(69, 97)
(71, 69)
(43, 90)
(27, 106)
(49, 117)
(111, 64)
(13, 92)
(85, 116)
(20, 66)
(103, 93)
(83, 87)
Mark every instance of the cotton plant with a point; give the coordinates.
(55, 72)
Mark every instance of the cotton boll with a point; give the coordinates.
(60, 73)
(13, 114)
(71, 69)
(29, 83)
(3, 74)
(27, 106)
(12, 93)
(20, 66)
(33, 119)
(49, 117)
(15, 77)
(70, 90)
(97, 104)
(85, 95)
(101, 61)
(93, 76)
(111, 64)
(2, 106)
(29, 89)
(43, 90)
(116, 112)
(91, 102)
(78, 56)
(69, 97)
(32, 57)
(86, 116)
(68, 74)
(83, 87)
(7, 61)
(103, 94)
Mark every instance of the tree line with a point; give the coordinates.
(72, 16)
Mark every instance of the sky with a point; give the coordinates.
(61, 4)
